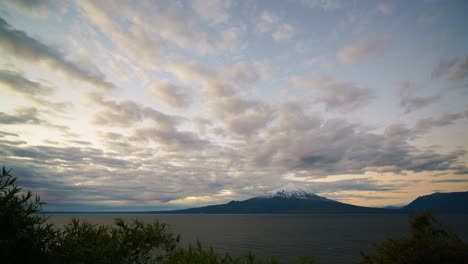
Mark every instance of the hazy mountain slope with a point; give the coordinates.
(455, 202)
(289, 199)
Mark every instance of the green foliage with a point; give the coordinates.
(429, 244)
(200, 255)
(24, 237)
(134, 242)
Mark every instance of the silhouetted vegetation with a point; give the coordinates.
(429, 243)
(134, 242)
(26, 237)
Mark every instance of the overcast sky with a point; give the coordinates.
(109, 105)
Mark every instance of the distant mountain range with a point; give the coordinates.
(291, 199)
(455, 202)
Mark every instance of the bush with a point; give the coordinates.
(429, 244)
(134, 242)
(200, 255)
(26, 237)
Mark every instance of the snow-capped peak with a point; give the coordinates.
(291, 190)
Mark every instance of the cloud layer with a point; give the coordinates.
(159, 105)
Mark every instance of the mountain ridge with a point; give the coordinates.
(453, 202)
(291, 199)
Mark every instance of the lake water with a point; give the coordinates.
(329, 238)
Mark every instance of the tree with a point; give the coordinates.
(429, 244)
(24, 236)
(125, 242)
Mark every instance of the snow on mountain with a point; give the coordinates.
(291, 190)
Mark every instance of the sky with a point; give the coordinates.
(156, 105)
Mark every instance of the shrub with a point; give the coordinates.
(24, 236)
(429, 244)
(125, 242)
(200, 255)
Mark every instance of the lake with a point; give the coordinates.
(329, 238)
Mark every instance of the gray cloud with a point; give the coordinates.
(6, 134)
(18, 83)
(360, 184)
(270, 22)
(225, 97)
(171, 95)
(39, 8)
(327, 5)
(425, 124)
(363, 48)
(85, 174)
(25, 47)
(345, 96)
(336, 95)
(170, 140)
(162, 131)
(126, 113)
(450, 181)
(452, 69)
(409, 101)
(216, 11)
(22, 116)
(336, 146)
(386, 8)
(33, 90)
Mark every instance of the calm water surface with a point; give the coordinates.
(329, 238)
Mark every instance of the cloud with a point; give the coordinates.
(27, 48)
(248, 120)
(327, 5)
(267, 21)
(128, 113)
(224, 94)
(453, 69)
(215, 11)
(358, 184)
(7, 134)
(162, 130)
(136, 42)
(170, 140)
(425, 124)
(336, 95)
(18, 83)
(410, 102)
(271, 23)
(451, 181)
(28, 116)
(171, 95)
(32, 90)
(386, 8)
(335, 146)
(23, 116)
(240, 133)
(283, 32)
(37, 8)
(362, 49)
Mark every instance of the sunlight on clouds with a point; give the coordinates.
(163, 104)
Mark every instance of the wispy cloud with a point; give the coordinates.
(335, 94)
(362, 48)
(25, 47)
